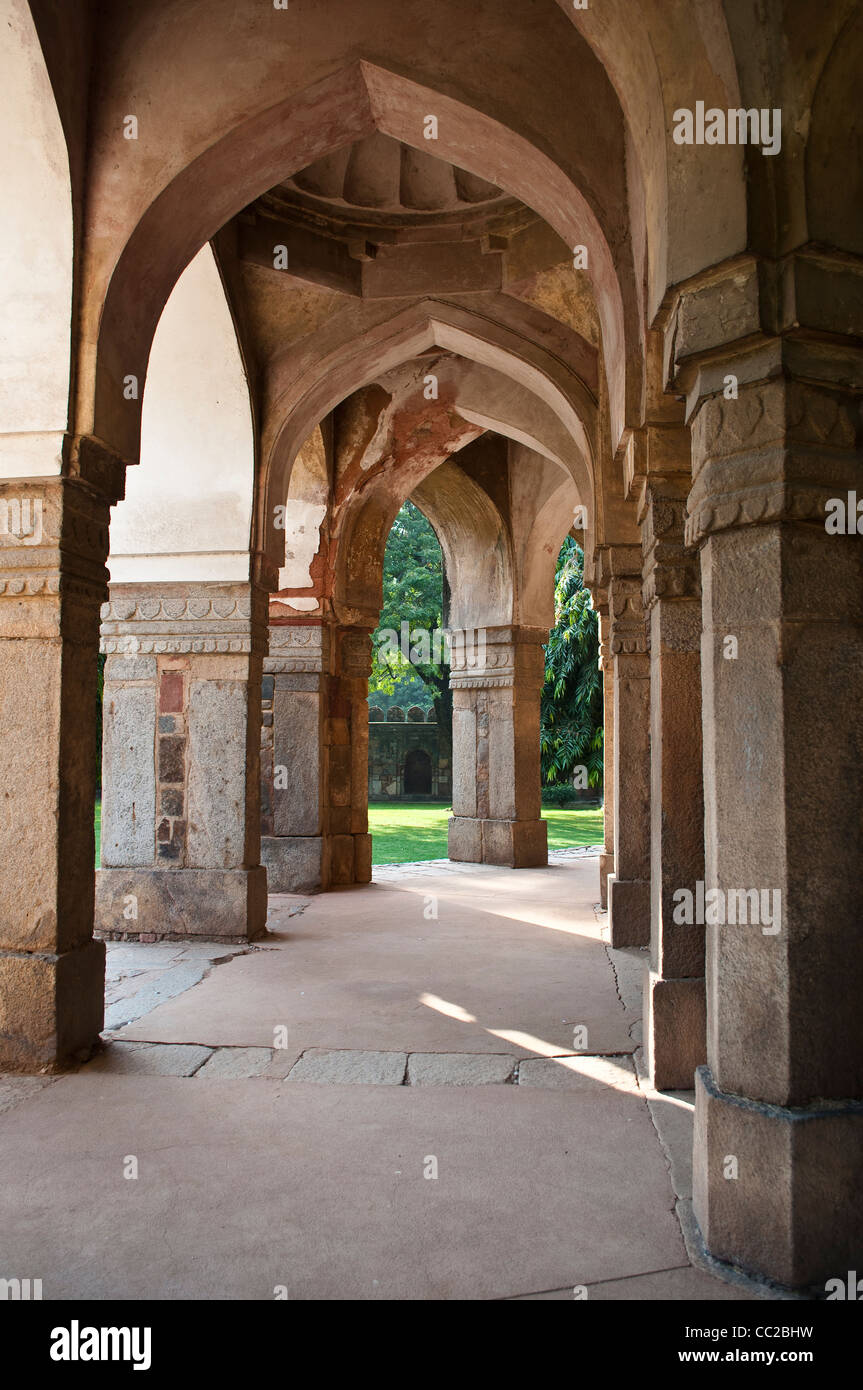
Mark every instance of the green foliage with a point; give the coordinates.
(412, 594)
(571, 708)
(564, 794)
(410, 691)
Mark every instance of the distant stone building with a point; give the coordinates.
(405, 759)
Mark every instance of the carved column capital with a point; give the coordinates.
(778, 452)
(53, 544)
(495, 657)
(628, 635)
(300, 647)
(670, 568)
(354, 653)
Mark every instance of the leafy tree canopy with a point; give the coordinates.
(571, 733)
(412, 596)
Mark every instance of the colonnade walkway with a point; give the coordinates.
(423, 1088)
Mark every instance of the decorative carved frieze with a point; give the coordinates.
(229, 618)
(297, 649)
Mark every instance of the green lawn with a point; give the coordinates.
(403, 831)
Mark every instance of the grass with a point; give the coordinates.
(404, 831)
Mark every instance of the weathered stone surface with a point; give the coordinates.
(362, 1068)
(128, 667)
(520, 844)
(362, 858)
(676, 1030)
(340, 850)
(629, 911)
(129, 775)
(51, 1007)
(233, 1063)
(15, 1089)
(458, 1069)
(150, 1059)
(464, 839)
(296, 746)
(292, 862)
(793, 1211)
(463, 762)
(218, 714)
(578, 1073)
(207, 903)
(172, 759)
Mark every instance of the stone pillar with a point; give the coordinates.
(629, 885)
(314, 757)
(674, 1012)
(293, 695)
(606, 858)
(53, 546)
(348, 847)
(180, 767)
(496, 676)
(778, 1161)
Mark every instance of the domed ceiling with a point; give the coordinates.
(379, 173)
(380, 182)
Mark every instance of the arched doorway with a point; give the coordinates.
(418, 773)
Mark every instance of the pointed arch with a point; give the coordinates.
(272, 145)
(306, 390)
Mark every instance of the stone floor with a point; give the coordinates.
(426, 1088)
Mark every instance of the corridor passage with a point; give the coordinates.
(421, 1088)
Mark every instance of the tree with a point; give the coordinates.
(571, 733)
(404, 645)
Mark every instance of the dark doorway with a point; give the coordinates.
(418, 773)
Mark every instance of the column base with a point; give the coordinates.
(517, 844)
(347, 859)
(629, 911)
(675, 1016)
(293, 863)
(606, 869)
(793, 1213)
(138, 904)
(51, 1008)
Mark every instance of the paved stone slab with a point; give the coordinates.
(511, 963)
(155, 988)
(283, 1060)
(458, 1069)
(150, 1059)
(15, 1089)
(682, 1285)
(673, 1114)
(246, 1184)
(369, 1068)
(140, 976)
(579, 1073)
(232, 1063)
